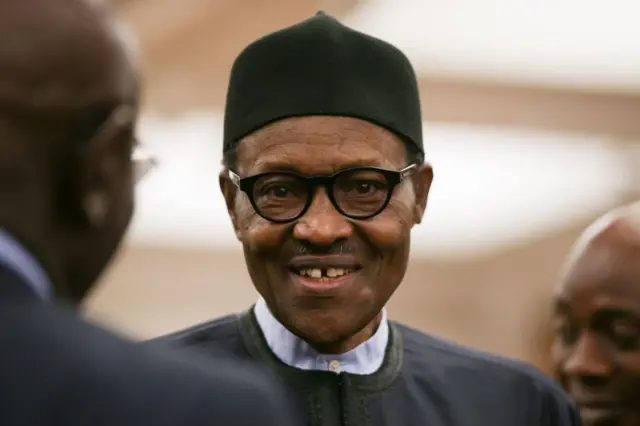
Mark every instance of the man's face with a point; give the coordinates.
(597, 340)
(362, 261)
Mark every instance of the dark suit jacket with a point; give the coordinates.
(57, 369)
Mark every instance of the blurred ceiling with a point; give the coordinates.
(562, 66)
(526, 105)
(583, 44)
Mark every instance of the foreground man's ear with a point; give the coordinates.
(102, 162)
(96, 209)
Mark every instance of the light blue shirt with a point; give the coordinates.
(14, 256)
(365, 359)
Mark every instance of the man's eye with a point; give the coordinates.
(366, 187)
(625, 336)
(567, 333)
(278, 191)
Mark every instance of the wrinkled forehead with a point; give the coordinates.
(320, 144)
(63, 53)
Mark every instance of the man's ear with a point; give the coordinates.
(229, 192)
(104, 162)
(422, 180)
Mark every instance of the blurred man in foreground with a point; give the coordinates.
(68, 106)
(324, 178)
(597, 321)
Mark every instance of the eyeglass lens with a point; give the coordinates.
(282, 196)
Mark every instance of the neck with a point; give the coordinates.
(350, 343)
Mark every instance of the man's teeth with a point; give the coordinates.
(323, 273)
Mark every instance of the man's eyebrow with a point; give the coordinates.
(617, 312)
(279, 165)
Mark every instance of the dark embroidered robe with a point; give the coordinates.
(423, 381)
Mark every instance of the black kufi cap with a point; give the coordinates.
(321, 67)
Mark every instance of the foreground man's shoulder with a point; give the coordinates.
(490, 377)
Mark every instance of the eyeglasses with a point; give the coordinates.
(143, 163)
(357, 193)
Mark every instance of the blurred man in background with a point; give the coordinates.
(597, 321)
(324, 178)
(68, 106)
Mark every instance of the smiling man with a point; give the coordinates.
(324, 178)
(597, 315)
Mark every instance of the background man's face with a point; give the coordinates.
(597, 340)
(376, 250)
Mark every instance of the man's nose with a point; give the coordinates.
(588, 359)
(322, 224)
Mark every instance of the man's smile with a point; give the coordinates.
(321, 274)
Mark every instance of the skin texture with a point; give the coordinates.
(597, 321)
(337, 321)
(67, 198)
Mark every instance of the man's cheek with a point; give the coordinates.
(249, 221)
(262, 235)
(390, 228)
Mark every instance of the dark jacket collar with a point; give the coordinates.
(258, 347)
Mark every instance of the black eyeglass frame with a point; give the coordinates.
(393, 178)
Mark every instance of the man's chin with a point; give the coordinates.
(328, 338)
(323, 337)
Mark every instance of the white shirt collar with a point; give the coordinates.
(365, 359)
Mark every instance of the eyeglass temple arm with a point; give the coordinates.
(408, 170)
(234, 178)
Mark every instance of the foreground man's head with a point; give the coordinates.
(68, 104)
(597, 313)
(324, 176)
